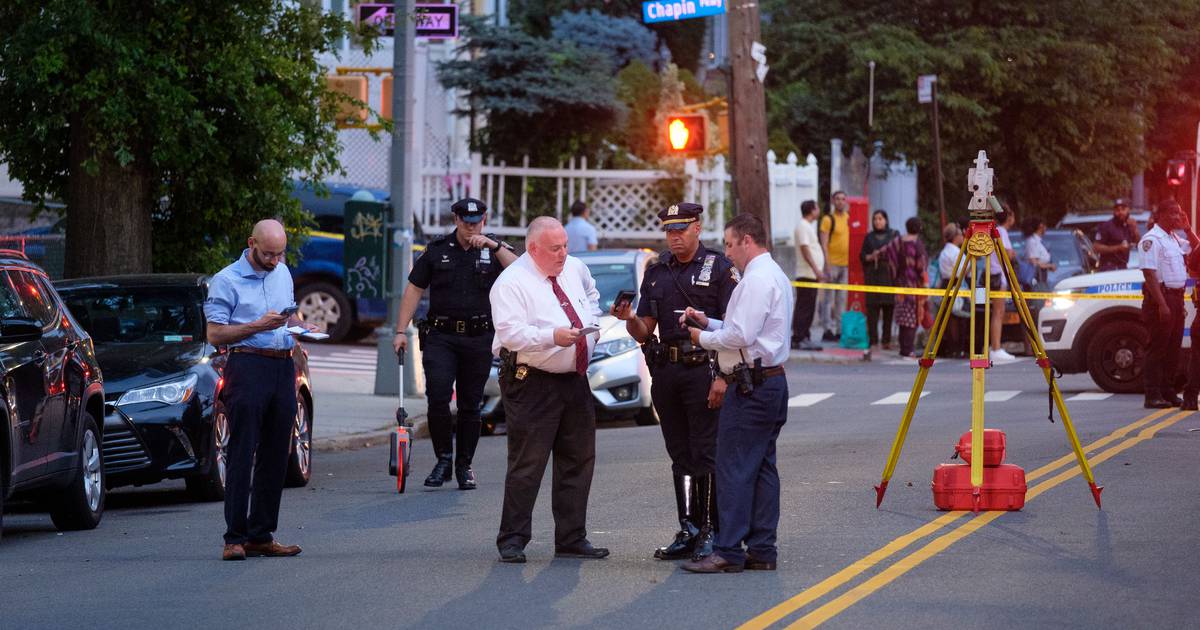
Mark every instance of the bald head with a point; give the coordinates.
(268, 244)
(546, 241)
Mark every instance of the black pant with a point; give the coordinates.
(806, 307)
(547, 413)
(455, 364)
(689, 427)
(874, 311)
(260, 400)
(908, 338)
(1162, 357)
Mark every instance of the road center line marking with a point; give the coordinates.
(941, 543)
(827, 585)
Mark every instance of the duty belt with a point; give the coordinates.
(471, 327)
(761, 374)
(658, 353)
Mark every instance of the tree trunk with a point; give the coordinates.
(108, 211)
(748, 115)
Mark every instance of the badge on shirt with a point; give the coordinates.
(706, 270)
(1146, 245)
(733, 273)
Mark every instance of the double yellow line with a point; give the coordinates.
(898, 568)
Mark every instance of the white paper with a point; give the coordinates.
(303, 333)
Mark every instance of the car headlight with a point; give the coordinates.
(1062, 303)
(614, 347)
(171, 393)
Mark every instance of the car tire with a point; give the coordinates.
(300, 454)
(81, 504)
(323, 304)
(1116, 354)
(646, 417)
(210, 485)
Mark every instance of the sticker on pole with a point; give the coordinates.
(925, 88)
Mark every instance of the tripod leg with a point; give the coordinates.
(979, 365)
(1043, 361)
(910, 408)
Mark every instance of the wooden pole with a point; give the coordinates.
(748, 117)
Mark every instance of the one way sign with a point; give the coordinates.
(432, 21)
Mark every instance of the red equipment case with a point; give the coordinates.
(994, 443)
(1003, 487)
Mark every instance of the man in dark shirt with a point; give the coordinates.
(1115, 237)
(686, 396)
(458, 269)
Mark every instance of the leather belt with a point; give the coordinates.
(766, 372)
(262, 352)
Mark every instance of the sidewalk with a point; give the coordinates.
(348, 415)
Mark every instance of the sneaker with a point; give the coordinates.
(1002, 355)
(828, 336)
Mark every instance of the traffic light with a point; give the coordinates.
(349, 114)
(686, 133)
(1177, 172)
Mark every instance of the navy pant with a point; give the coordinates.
(689, 427)
(1162, 357)
(455, 365)
(748, 502)
(260, 400)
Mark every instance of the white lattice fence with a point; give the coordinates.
(625, 207)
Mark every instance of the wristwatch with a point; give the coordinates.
(496, 248)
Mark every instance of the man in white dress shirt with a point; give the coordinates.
(752, 345)
(542, 304)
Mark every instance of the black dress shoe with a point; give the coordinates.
(1175, 400)
(1189, 402)
(680, 548)
(582, 550)
(753, 564)
(1156, 402)
(441, 472)
(466, 477)
(704, 544)
(712, 564)
(828, 336)
(512, 555)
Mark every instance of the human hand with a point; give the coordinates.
(622, 310)
(821, 277)
(694, 333)
(271, 320)
(480, 241)
(716, 393)
(1125, 246)
(564, 336)
(698, 316)
(400, 342)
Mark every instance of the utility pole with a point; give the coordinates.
(937, 158)
(403, 49)
(748, 115)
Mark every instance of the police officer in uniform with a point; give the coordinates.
(686, 395)
(1162, 261)
(458, 270)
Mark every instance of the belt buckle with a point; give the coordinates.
(460, 326)
(522, 372)
(673, 354)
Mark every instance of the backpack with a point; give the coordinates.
(854, 330)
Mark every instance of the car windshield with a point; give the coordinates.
(612, 278)
(141, 315)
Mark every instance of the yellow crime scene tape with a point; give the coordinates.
(965, 292)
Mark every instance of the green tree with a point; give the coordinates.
(184, 121)
(1058, 92)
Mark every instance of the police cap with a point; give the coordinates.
(1120, 201)
(469, 210)
(679, 216)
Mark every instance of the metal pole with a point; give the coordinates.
(386, 368)
(937, 157)
(871, 97)
(1195, 171)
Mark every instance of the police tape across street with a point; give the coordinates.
(1028, 295)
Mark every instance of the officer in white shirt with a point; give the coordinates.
(752, 344)
(1162, 262)
(541, 306)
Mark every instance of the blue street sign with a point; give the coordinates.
(671, 10)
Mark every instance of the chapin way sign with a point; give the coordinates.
(671, 10)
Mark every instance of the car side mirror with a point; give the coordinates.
(19, 329)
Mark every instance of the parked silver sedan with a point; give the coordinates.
(618, 375)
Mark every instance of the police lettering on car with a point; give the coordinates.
(458, 270)
(685, 394)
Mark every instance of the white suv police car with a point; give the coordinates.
(1105, 338)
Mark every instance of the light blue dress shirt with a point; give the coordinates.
(580, 235)
(239, 294)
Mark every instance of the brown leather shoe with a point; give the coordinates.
(271, 550)
(712, 564)
(233, 552)
(753, 564)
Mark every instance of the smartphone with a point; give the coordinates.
(587, 330)
(624, 297)
(289, 311)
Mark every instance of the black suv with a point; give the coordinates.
(51, 396)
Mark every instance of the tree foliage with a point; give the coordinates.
(620, 40)
(1058, 92)
(204, 110)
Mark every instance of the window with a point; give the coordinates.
(10, 303)
(34, 297)
(149, 315)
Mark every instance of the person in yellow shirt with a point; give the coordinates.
(835, 243)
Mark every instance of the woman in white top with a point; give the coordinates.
(1035, 250)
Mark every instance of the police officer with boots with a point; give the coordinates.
(686, 394)
(1162, 261)
(458, 270)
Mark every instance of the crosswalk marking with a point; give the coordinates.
(1085, 396)
(899, 398)
(807, 400)
(1000, 395)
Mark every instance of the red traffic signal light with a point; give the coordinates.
(1177, 172)
(686, 133)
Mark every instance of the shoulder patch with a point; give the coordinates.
(1147, 244)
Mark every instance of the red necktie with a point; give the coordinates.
(581, 353)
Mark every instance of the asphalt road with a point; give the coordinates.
(373, 558)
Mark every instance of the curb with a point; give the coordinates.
(367, 439)
(838, 356)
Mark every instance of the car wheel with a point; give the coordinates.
(1116, 354)
(323, 304)
(646, 416)
(82, 503)
(300, 460)
(210, 485)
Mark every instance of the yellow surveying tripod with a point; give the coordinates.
(982, 240)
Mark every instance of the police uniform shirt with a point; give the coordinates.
(458, 279)
(1164, 254)
(758, 319)
(1112, 232)
(705, 283)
